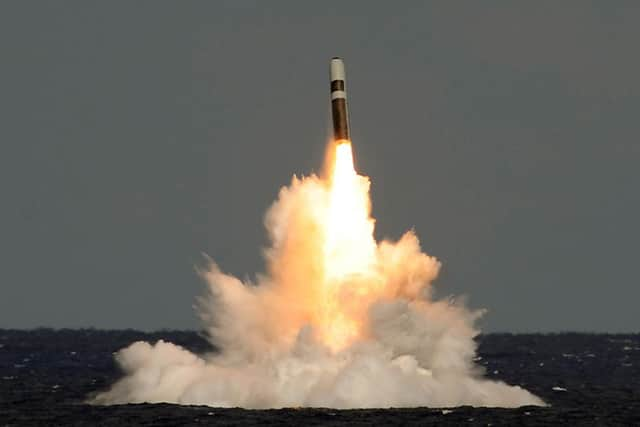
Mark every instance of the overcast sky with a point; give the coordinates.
(135, 136)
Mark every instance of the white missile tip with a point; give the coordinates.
(337, 69)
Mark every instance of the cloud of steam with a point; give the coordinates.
(410, 350)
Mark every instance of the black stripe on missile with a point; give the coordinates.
(337, 85)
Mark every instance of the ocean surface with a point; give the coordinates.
(46, 376)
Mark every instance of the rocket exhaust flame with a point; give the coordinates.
(349, 247)
(339, 320)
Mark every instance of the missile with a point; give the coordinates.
(339, 112)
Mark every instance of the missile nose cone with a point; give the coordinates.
(337, 69)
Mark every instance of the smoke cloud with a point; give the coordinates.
(402, 349)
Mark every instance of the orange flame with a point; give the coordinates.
(349, 250)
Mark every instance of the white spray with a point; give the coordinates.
(338, 320)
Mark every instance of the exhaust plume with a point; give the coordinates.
(338, 320)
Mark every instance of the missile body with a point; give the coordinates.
(339, 112)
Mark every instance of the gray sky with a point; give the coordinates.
(136, 135)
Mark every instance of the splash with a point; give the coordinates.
(338, 320)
